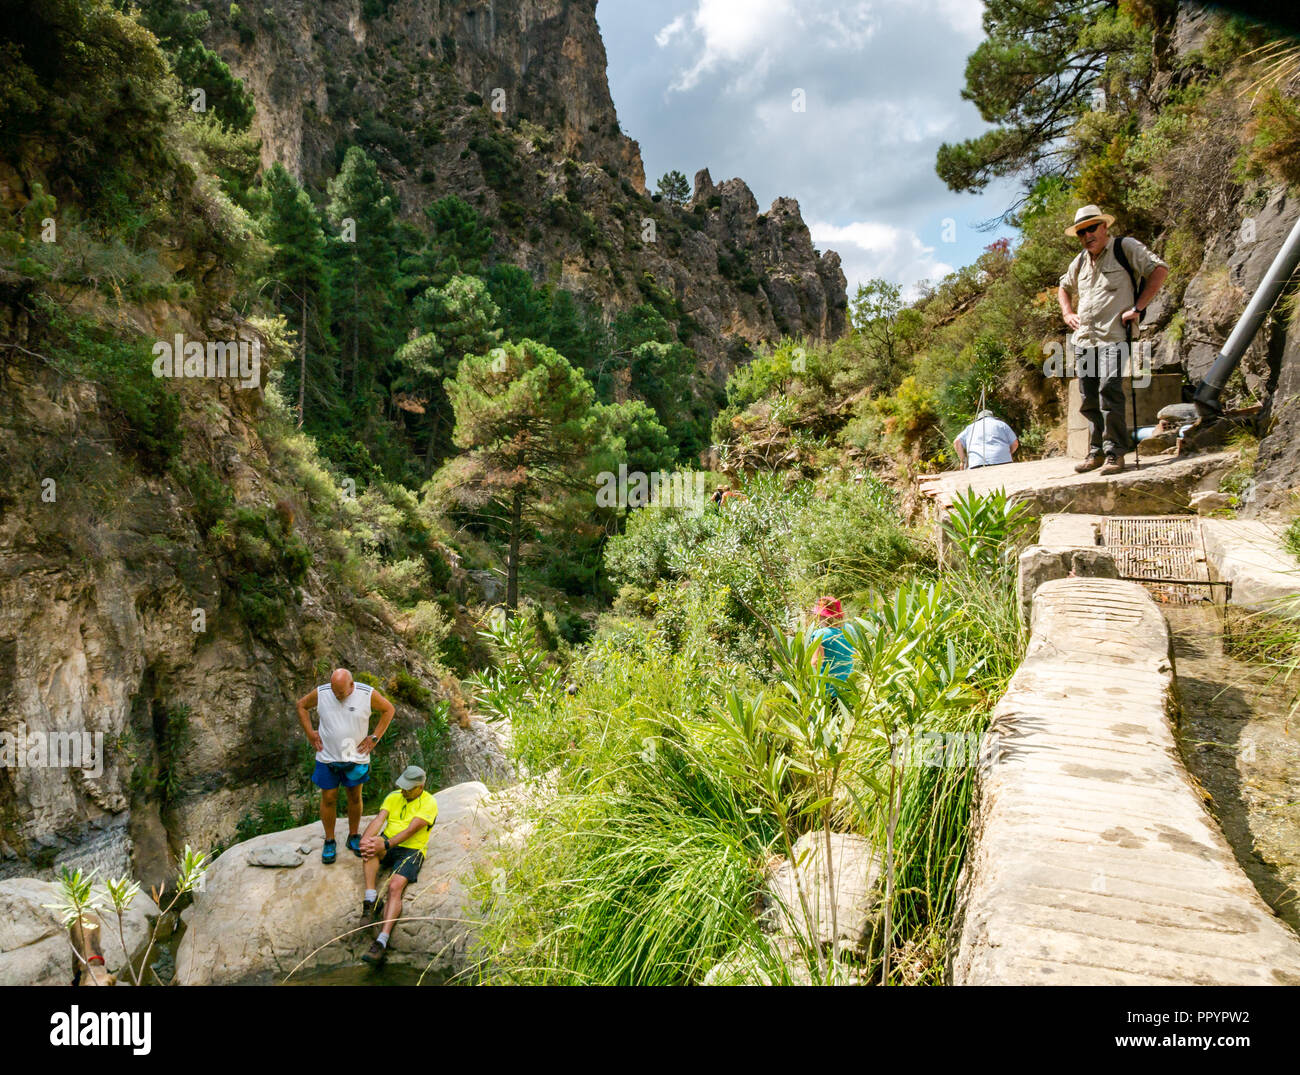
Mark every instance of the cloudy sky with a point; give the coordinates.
(713, 84)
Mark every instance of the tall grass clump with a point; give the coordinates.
(643, 866)
(672, 766)
(630, 887)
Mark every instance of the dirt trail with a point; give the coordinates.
(1235, 739)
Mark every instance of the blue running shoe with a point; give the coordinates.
(354, 844)
(328, 852)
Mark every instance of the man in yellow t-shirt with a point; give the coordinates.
(396, 839)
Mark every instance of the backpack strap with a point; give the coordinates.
(1127, 266)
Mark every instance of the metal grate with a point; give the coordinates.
(1163, 552)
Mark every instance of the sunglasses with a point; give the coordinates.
(1089, 229)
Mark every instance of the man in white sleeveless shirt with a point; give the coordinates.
(343, 743)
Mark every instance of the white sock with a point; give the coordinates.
(370, 895)
(383, 940)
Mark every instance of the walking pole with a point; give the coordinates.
(1132, 390)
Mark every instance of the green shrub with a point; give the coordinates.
(1291, 538)
(211, 496)
(431, 739)
(272, 815)
(987, 529)
(266, 565)
(405, 688)
(496, 156)
(147, 412)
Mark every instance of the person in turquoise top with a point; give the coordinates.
(833, 656)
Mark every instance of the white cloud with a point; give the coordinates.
(909, 122)
(877, 122)
(670, 31)
(964, 16)
(869, 249)
(850, 28)
(745, 36)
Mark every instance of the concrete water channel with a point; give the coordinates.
(1138, 812)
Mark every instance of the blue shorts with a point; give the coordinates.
(328, 775)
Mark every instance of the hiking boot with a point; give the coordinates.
(367, 911)
(1114, 465)
(329, 852)
(1093, 461)
(376, 955)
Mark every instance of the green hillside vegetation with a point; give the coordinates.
(697, 743)
(155, 205)
(1168, 157)
(432, 410)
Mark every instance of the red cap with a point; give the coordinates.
(828, 608)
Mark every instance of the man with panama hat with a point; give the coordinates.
(1105, 276)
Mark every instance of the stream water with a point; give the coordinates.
(1237, 742)
(360, 974)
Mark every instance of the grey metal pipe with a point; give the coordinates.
(1210, 388)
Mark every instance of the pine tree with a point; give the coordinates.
(458, 242)
(673, 188)
(657, 368)
(179, 33)
(296, 273)
(1034, 76)
(524, 418)
(632, 434)
(364, 259)
(457, 320)
(548, 315)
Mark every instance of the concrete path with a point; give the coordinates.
(1163, 485)
(1249, 554)
(1093, 860)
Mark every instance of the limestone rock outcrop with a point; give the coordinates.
(507, 105)
(97, 598)
(250, 925)
(848, 912)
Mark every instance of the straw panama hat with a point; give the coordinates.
(1087, 215)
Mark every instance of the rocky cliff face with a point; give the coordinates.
(1243, 230)
(801, 289)
(120, 633)
(1235, 263)
(506, 104)
(318, 71)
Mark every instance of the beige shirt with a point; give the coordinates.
(1102, 290)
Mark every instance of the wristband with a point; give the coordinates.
(387, 845)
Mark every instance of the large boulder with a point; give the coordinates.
(851, 911)
(780, 956)
(34, 945)
(476, 752)
(250, 924)
(490, 587)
